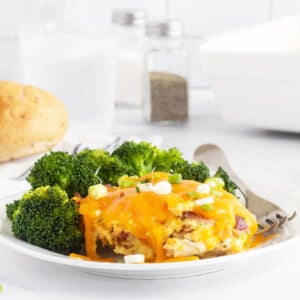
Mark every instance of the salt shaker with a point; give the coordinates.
(129, 28)
(166, 94)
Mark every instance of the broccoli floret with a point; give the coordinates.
(93, 157)
(111, 170)
(92, 166)
(143, 157)
(12, 209)
(165, 160)
(180, 167)
(47, 218)
(85, 166)
(192, 171)
(197, 171)
(54, 168)
(230, 186)
(75, 173)
(138, 157)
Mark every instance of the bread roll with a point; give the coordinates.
(31, 121)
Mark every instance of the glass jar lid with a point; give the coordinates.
(129, 17)
(170, 28)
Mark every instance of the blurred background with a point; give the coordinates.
(201, 19)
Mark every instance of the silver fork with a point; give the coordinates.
(269, 216)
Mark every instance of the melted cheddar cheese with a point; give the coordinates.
(166, 227)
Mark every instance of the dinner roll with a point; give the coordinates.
(31, 120)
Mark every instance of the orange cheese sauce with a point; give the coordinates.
(145, 216)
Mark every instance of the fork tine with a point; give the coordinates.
(273, 223)
(263, 229)
(269, 223)
(76, 149)
(292, 216)
(269, 226)
(282, 219)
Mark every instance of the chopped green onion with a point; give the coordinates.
(137, 189)
(126, 184)
(134, 258)
(207, 207)
(144, 187)
(193, 195)
(217, 193)
(215, 182)
(1, 288)
(97, 191)
(175, 178)
(122, 178)
(204, 201)
(203, 188)
(162, 188)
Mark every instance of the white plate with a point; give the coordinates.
(287, 200)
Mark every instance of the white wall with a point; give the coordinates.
(201, 18)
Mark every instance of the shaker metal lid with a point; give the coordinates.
(169, 28)
(129, 17)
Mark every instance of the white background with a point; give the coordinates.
(274, 154)
(201, 18)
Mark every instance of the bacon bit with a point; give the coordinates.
(189, 215)
(122, 194)
(240, 223)
(122, 237)
(186, 229)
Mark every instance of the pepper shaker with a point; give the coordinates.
(166, 91)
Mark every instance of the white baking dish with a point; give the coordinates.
(255, 74)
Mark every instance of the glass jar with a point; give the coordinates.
(167, 62)
(129, 28)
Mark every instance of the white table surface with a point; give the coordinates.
(270, 157)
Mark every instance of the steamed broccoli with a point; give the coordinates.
(166, 159)
(138, 157)
(12, 209)
(75, 173)
(229, 185)
(143, 157)
(193, 171)
(111, 170)
(47, 218)
(92, 166)
(54, 168)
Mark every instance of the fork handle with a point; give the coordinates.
(214, 156)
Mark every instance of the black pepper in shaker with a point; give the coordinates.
(166, 97)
